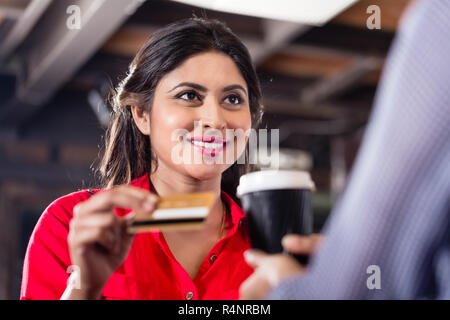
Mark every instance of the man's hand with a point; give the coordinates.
(270, 270)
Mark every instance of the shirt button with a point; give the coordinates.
(189, 295)
(212, 258)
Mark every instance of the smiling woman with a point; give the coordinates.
(193, 76)
(207, 100)
(194, 61)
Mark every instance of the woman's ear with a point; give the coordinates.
(142, 119)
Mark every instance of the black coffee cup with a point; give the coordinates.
(276, 202)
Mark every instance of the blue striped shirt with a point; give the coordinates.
(395, 211)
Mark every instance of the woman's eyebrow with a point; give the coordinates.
(233, 87)
(203, 89)
(190, 84)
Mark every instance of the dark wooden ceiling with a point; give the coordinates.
(327, 75)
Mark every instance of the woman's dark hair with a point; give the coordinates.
(127, 153)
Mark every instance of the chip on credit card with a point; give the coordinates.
(176, 212)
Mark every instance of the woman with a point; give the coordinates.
(196, 76)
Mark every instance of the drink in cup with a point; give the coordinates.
(276, 202)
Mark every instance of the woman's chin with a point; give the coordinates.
(205, 171)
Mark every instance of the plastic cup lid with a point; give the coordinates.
(274, 180)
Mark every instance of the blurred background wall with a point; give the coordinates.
(318, 85)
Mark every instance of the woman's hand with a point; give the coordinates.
(270, 270)
(98, 239)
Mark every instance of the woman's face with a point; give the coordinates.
(199, 115)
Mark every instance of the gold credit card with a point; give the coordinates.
(177, 212)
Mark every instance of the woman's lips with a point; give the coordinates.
(209, 139)
(209, 145)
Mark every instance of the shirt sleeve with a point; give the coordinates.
(47, 257)
(392, 222)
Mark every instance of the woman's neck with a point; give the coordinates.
(167, 181)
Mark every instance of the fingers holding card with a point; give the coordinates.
(186, 211)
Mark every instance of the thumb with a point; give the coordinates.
(254, 257)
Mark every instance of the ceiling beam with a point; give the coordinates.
(323, 111)
(277, 35)
(326, 89)
(316, 62)
(272, 55)
(58, 52)
(28, 17)
(338, 37)
(12, 9)
(305, 65)
(12, 13)
(128, 40)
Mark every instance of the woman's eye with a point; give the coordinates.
(233, 99)
(188, 96)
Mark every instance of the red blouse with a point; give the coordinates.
(149, 272)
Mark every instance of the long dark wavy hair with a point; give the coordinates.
(127, 152)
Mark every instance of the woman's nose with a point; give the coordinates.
(212, 117)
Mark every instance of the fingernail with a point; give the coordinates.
(147, 206)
